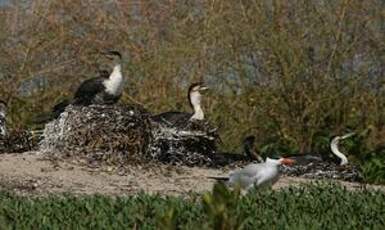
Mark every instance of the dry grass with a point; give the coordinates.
(292, 73)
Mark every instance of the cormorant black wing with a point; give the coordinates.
(88, 90)
(172, 118)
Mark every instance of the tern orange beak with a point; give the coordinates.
(287, 161)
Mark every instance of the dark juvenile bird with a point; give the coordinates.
(104, 89)
(248, 154)
(3, 114)
(194, 97)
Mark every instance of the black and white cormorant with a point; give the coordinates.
(104, 89)
(194, 97)
(312, 158)
(3, 114)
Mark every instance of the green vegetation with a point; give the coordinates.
(291, 73)
(314, 207)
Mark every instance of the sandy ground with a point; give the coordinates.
(30, 173)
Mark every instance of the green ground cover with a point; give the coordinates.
(317, 206)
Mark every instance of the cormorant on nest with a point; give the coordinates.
(105, 89)
(116, 134)
(184, 138)
(319, 166)
(179, 119)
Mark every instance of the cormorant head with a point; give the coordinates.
(112, 54)
(194, 93)
(114, 58)
(335, 139)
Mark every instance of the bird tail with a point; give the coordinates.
(45, 117)
(218, 178)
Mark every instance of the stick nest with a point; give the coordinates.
(325, 170)
(192, 144)
(116, 134)
(18, 141)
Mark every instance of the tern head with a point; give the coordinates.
(280, 161)
(194, 93)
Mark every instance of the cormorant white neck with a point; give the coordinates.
(334, 147)
(195, 99)
(114, 83)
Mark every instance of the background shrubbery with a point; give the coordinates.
(293, 73)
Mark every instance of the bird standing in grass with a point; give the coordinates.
(256, 175)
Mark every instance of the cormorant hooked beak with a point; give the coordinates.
(347, 135)
(204, 88)
(111, 54)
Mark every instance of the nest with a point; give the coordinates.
(193, 144)
(324, 170)
(19, 140)
(115, 134)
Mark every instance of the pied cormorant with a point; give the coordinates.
(312, 158)
(104, 89)
(194, 97)
(3, 114)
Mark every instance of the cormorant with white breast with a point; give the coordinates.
(104, 89)
(313, 158)
(194, 97)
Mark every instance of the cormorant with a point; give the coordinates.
(194, 97)
(104, 89)
(312, 158)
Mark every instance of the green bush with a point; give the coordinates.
(318, 206)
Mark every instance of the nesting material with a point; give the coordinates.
(191, 144)
(19, 140)
(115, 134)
(324, 170)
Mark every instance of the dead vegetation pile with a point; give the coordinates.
(325, 170)
(114, 134)
(191, 144)
(124, 134)
(19, 140)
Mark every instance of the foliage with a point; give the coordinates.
(319, 206)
